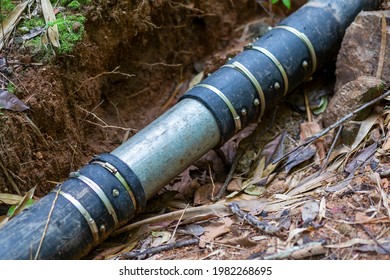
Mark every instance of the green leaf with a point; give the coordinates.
(274, 1)
(255, 190)
(287, 3)
(322, 107)
(54, 22)
(11, 210)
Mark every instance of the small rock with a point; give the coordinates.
(76, 26)
(39, 155)
(359, 53)
(350, 97)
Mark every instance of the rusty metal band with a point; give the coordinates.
(277, 64)
(90, 221)
(95, 187)
(114, 171)
(306, 41)
(245, 71)
(236, 117)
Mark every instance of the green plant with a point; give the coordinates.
(10, 88)
(70, 32)
(6, 6)
(286, 3)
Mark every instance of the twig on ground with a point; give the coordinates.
(323, 132)
(229, 177)
(299, 252)
(382, 51)
(331, 149)
(177, 225)
(252, 220)
(47, 223)
(375, 239)
(155, 250)
(102, 74)
(11, 181)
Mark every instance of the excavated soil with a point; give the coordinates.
(136, 59)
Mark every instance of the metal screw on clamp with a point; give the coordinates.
(115, 192)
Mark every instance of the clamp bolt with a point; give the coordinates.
(305, 64)
(256, 102)
(277, 85)
(244, 112)
(115, 192)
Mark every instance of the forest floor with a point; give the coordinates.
(130, 61)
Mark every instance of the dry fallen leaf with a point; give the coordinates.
(310, 211)
(52, 31)
(309, 129)
(299, 156)
(365, 128)
(10, 22)
(10, 199)
(10, 102)
(215, 230)
(160, 237)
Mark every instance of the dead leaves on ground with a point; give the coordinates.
(316, 213)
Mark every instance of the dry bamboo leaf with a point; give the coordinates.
(52, 31)
(310, 249)
(351, 243)
(160, 237)
(274, 149)
(10, 22)
(257, 176)
(362, 158)
(215, 230)
(365, 128)
(297, 252)
(312, 182)
(383, 249)
(196, 80)
(322, 210)
(10, 199)
(386, 144)
(299, 156)
(192, 229)
(295, 233)
(3, 220)
(243, 241)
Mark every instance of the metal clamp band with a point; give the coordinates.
(95, 187)
(241, 68)
(90, 221)
(306, 41)
(276, 62)
(109, 167)
(233, 111)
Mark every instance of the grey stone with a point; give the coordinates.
(360, 50)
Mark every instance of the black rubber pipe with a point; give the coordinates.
(105, 194)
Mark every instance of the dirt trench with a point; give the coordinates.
(136, 59)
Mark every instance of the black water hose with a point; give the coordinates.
(105, 194)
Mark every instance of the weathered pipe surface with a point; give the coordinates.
(112, 188)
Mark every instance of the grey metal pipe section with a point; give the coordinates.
(167, 146)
